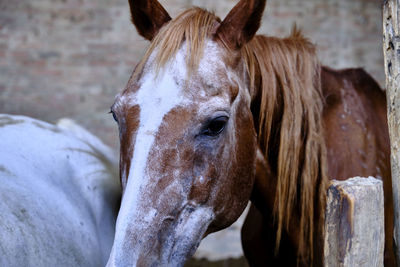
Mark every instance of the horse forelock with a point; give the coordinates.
(287, 75)
(194, 26)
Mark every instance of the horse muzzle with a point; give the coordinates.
(164, 240)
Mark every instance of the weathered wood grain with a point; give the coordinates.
(391, 51)
(354, 223)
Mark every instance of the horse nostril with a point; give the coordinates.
(169, 218)
(190, 209)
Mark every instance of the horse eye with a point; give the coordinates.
(216, 126)
(114, 116)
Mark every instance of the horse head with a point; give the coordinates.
(187, 138)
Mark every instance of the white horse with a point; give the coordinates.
(58, 194)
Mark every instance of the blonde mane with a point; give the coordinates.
(286, 72)
(291, 115)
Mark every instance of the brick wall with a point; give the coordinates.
(68, 58)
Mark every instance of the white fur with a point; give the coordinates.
(57, 195)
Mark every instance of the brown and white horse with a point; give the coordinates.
(214, 116)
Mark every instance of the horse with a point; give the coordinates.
(214, 116)
(59, 194)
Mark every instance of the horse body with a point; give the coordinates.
(357, 137)
(58, 195)
(214, 116)
(357, 142)
(355, 104)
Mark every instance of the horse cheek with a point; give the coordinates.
(238, 178)
(205, 177)
(246, 148)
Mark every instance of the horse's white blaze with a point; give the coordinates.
(158, 95)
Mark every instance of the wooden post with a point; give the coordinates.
(354, 223)
(391, 51)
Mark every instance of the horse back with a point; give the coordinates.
(356, 134)
(57, 195)
(355, 123)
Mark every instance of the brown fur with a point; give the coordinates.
(150, 15)
(241, 24)
(128, 128)
(356, 104)
(353, 103)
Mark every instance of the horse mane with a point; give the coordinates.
(290, 130)
(286, 73)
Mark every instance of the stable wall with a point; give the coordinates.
(68, 58)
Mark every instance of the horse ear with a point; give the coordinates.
(148, 16)
(242, 23)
